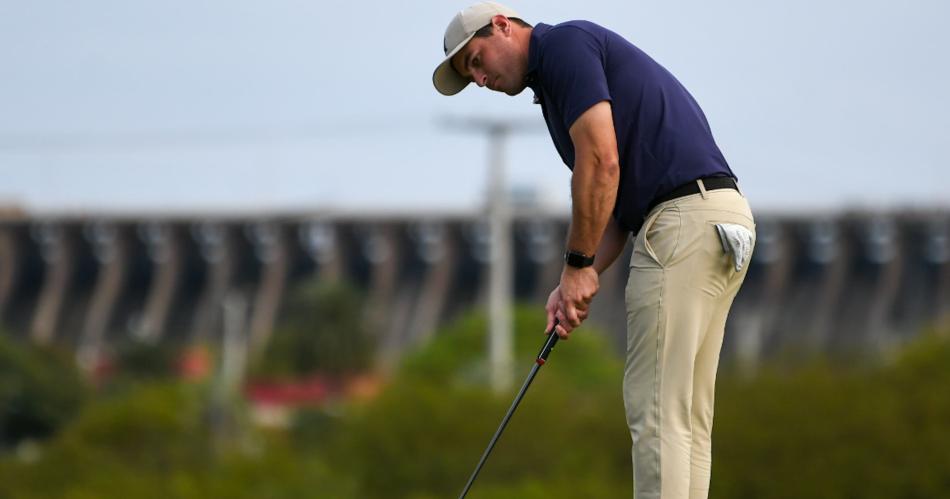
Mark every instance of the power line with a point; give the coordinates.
(165, 139)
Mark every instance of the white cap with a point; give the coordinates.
(459, 32)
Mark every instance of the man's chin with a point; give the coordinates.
(508, 91)
(514, 92)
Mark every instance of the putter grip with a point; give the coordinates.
(548, 345)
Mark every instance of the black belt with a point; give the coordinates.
(710, 183)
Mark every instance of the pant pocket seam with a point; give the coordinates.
(676, 240)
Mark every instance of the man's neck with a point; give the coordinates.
(523, 35)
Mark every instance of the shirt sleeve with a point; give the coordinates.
(572, 71)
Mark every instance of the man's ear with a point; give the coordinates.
(502, 24)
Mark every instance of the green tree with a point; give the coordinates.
(424, 435)
(155, 442)
(831, 431)
(321, 331)
(40, 390)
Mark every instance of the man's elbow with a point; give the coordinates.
(607, 168)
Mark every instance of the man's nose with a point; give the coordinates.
(481, 79)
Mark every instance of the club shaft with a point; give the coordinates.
(542, 357)
(501, 428)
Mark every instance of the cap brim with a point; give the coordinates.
(445, 78)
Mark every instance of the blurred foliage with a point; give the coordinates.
(40, 389)
(428, 429)
(823, 429)
(322, 330)
(835, 432)
(156, 442)
(144, 360)
(431, 425)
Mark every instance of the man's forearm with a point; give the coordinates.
(611, 245)
(594, 192)
(595, 178)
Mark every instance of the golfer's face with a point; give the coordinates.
(489, 62)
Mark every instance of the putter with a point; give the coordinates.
(542, 358)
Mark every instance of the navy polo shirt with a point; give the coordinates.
(663, 138)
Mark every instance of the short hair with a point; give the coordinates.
(487, 30)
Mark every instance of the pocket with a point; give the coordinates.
(737, 241)
(726, 252)
(660, 236)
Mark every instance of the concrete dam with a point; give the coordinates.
(838, 282)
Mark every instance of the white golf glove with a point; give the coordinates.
(737, 241)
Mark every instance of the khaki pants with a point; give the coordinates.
(678, 295)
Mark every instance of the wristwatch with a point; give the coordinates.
(578, 260)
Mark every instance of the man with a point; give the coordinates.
(643, 161)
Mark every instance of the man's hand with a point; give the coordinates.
(570, 301)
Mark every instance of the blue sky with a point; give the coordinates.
(133, 106)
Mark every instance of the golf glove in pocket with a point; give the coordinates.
(736, 241)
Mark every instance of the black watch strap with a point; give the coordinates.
(578, 260)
